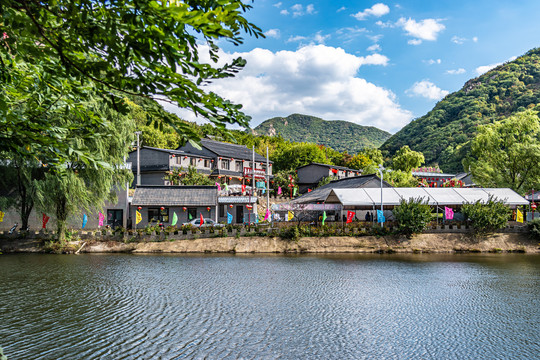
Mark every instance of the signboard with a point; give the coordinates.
(259, 174)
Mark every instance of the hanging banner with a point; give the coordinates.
(218, 187)
(138, 217)
(229, 218)
(350, 216)
(279, 190)
(226, 187)
(323, 217)
(267, 215)
(45, 221)
(519, 217)
(101, 218)
(294, 192)
(290, 216)
(2, 216)
(84, 220)
(202, 220)
(243, 188)
(449, 213)
(174, 219)
(380, 216)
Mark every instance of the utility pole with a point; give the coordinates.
(138, 159)
(253, 178)
(381, 168)
(268, 183)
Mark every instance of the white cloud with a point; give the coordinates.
(432, 61)
(319, 38)
(341, 9)
(374, 47)
(458, 40)
(456, 71)
(284, 12)
(376, 10)
(299, 10)
(278, 4)
(427, 89)
(475, 39)
(296, 38)
(308, 81)
(375, 38)
(414, 42)
(427, 29)
(485, 68)
(272, 33)
(310, 9)
(387, 24)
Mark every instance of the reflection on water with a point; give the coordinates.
(289, 307)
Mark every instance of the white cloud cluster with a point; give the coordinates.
(427, 89)
(427, 29)
(318, 38)
(376, 10)
(374, 47)
(456, 71)
(317, 80)
(461, 40)
(485, 68)
(433, 61)
(297, 10)
(273, 33)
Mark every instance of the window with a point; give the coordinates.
(158, 215)
(178, 160)
(239, 166)
(222, 210)
(225, 164)
(192, 161)
(114, 218)
(192, 213)
(207, 163)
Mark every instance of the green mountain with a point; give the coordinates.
(338, 135)
(443, 134)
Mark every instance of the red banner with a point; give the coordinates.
(350, 216)
(45, 220)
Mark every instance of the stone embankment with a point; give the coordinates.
(422, 243)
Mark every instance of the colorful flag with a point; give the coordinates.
(45, 220)
(290, 216)
(174, 219)
(202, 220)
(350, 216)
(84, 220)
(190, 217)
(226, 187)
(101, 218)
(138, 217)
(267, 215)
(243, 188)
(449, 213)
(2, 216)
(323, 217)
(380, 216)
(309, 190)
(279, 190)
(519, 217)
(218, 187)
(294, 192)
(229, 218)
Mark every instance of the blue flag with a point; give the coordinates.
(84, 220)
(380, 216)
(229, 218)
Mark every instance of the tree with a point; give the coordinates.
(487, 217)
(179, 176)
(73, 187)
(297, 155)
(412, 216)
(507, 153)
(406, 159)
(398, 178)
(140, 48)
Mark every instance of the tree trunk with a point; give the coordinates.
(61, 219)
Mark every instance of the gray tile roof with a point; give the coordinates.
(231, 150)
(320, 194)
(328, 166)
(162, 195)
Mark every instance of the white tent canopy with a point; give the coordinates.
(434, 196)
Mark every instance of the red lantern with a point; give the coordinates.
(533, 206)
(230, 177)
(162, 208)
(185, 157)
(208, 208)
(172, 155)
(184, 208)
(231, 206)
(139, 207)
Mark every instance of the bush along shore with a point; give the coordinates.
(293, 238)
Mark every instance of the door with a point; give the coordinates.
(115, 218)
(239, 214)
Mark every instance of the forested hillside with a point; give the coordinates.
(338, 135)
(443, 135)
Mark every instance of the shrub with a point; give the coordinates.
(486, 217)
(291, 233)
(534, 228)
(412, 216)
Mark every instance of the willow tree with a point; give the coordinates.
(507, 153)
(139, 48)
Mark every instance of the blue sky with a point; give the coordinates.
(372, 63)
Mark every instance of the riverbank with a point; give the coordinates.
(422, 243)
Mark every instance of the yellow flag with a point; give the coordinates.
(290, 216)
(138, 218)
(519, 216)
(1, 216)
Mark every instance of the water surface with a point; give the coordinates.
(270, 307)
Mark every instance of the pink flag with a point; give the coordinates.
(449, 213)
(279, 190)
(267, 214)
(218, 187)
(101, 218)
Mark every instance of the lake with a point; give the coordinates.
(270, 307)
